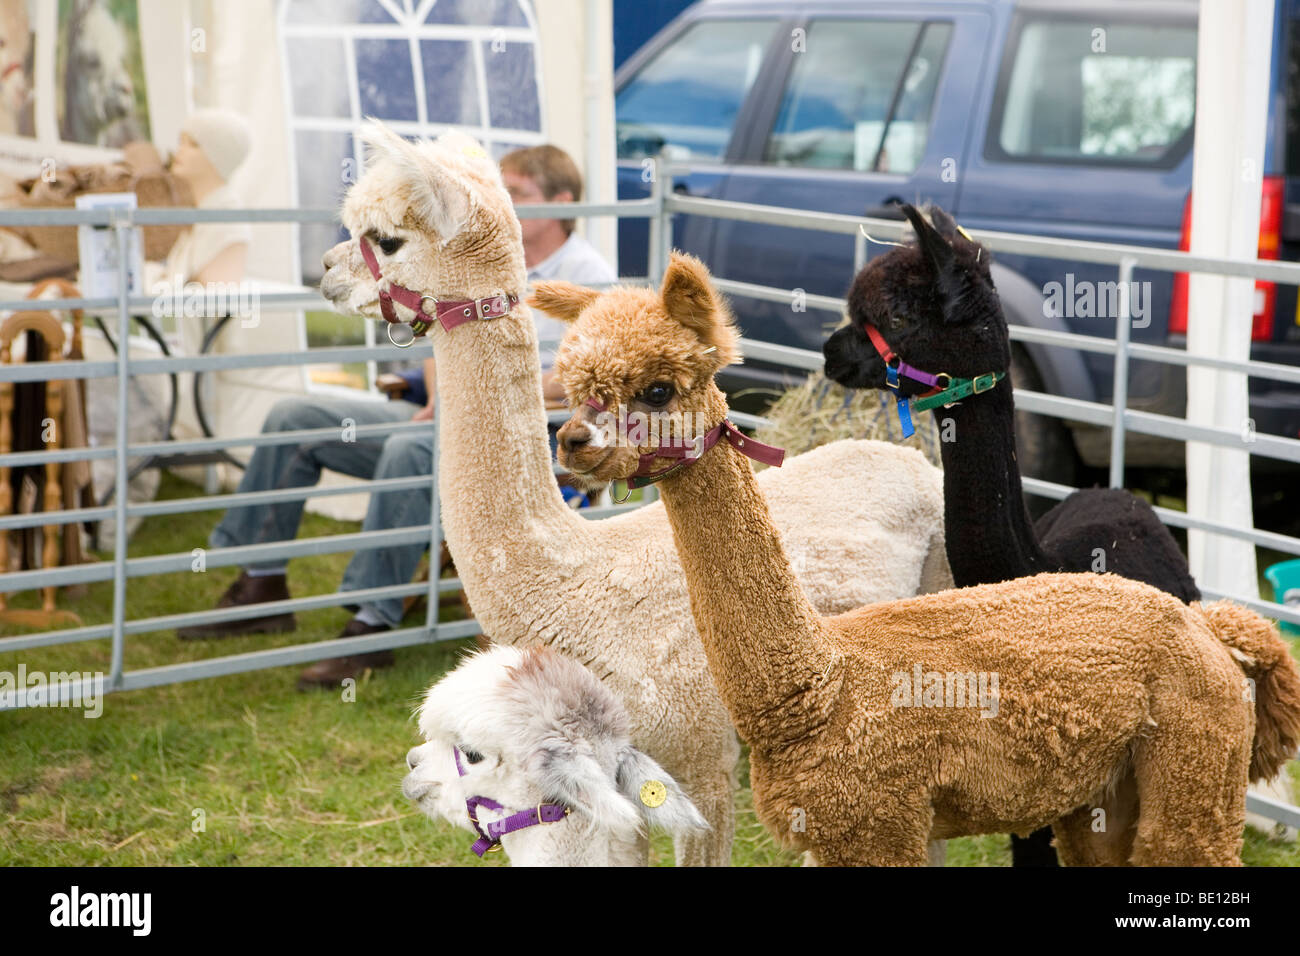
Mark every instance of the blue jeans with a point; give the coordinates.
(296, 466)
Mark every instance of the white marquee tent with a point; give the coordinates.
(305, 73)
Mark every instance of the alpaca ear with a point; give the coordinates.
(561, 300)
(688, 295)
(689, 298)
(471, 152)
(578, 781)
(433, 194)
(661, 801)
(943, 223)
(949, 277)
(936, 249)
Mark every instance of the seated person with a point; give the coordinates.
(551, 251)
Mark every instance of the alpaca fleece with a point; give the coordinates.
(608, 593)
(534, 727)
(1101, 683)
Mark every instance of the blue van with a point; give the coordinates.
(1066, 118)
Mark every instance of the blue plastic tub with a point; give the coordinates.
(1285, 578)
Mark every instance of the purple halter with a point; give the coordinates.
(490, 839)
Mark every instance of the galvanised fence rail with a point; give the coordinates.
(659, 209)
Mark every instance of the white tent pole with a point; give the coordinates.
(1231, 102)
(601, 232)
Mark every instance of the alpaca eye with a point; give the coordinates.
(473, 756)
(657, 394)
(390, 244)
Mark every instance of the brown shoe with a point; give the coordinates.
(247, 590)
(330, 673)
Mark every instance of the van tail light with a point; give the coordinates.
(1270, 242)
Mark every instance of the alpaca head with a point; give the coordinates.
(534, 727)
(648, 357)
(437, 218)
(933, 302)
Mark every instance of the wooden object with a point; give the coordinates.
(50, 329)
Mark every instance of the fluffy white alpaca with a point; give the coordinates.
(534, 728)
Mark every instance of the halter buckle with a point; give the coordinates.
(401, 345)
(989, 378)
(432, 299)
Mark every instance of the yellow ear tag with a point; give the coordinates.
(473, 152)
(965, 233)
(653, 793)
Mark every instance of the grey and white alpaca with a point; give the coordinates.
(533, 727)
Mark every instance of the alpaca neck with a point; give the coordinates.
(572, 842)
(501, 507)
(988, 531)
(766, 646)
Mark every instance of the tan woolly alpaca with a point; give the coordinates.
(610, 593)
(989, 709)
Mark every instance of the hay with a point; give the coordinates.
(820, 411)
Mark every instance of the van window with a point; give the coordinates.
(1079, 91)
(1293, 98)
(688, 96)
(859, 96)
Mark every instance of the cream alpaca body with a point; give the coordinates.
(864, 520)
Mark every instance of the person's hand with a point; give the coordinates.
(424, 414)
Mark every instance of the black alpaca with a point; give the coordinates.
(935, 306)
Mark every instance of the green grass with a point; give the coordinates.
(326, 328)
(281, 777)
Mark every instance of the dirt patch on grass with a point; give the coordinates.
(46, 784)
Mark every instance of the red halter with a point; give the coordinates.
(690, 450)
(449, 314)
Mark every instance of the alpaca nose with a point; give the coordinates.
(573, 436)
(412, 758)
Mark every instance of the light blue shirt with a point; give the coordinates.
(576, 261)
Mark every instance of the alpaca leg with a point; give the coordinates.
(1191, 781)
(1101, 835)
(716, 802)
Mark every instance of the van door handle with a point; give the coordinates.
(886, 210)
